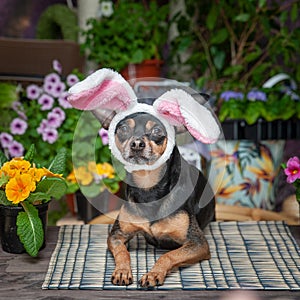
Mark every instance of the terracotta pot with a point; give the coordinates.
(8, 229)
(148, 68)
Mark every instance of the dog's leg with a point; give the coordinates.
(117, 239)
(195, 249)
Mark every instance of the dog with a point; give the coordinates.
(141, 139)
(167, 200)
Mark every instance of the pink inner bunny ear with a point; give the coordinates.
(105, 89)
(180, 108)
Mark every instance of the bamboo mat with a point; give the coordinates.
(245, 255)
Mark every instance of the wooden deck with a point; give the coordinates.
(22, 276)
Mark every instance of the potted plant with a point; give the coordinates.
(25, 191)
(235, 47)
(127, 32)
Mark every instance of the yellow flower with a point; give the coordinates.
(36, 173)
(48, 173)
(92, 167)
(71, 177)
(15, 167)
(83, 176)
(19, 188)
(106, 169)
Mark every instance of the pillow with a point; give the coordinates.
(246, 172)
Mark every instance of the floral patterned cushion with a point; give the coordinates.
(245, 172)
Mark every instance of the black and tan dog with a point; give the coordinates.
(167, 200)
(141, 138)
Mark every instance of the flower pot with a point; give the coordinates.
(8, 227)
(148, 68)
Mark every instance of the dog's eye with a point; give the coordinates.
(157, 131)
(124, 130)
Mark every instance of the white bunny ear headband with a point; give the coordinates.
(107, 93)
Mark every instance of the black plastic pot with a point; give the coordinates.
(8, 227)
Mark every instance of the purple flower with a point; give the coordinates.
(19, 109)
(18, 126)
(72, 79)
(60, 113)
(256, 95)
(5, 139)
(51, 82)
(292, 169)
(42, 127)
(54, 120)
(33, 91)
(227, 95)
(46, 102)
(104, 136)
(58, 89)
(50, 135)
(63, 102)
(57, 66)
(15, 149)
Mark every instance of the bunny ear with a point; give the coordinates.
(105, 89)
(180, 108)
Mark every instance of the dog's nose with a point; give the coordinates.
(137, 144)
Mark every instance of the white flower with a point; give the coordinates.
(106, 8)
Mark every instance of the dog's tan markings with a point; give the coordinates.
(189, 253)
(146, 179)
(159, 149)
(150, 124)
(175, 227)
(130, 122)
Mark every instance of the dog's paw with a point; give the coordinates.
(122, 277)
(152, 279)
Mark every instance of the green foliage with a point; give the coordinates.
(238, 45)
(51, 186)
(59, 163)
(134, 32)
(58, 22)
(29, 156)
(30, 229)
(8, 94)
(3, 199)
(3, 158)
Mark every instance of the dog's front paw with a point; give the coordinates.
(122, 277)
(152, 279)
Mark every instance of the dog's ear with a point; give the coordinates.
(180, 108)
(104, 92)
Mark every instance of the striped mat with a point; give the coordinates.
(249, 255)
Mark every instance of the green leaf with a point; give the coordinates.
(52, 186)
(30, 229)
(30, 153)
(3, 159)
(219, 37)
(242, 18)
(36, 196)
(3, 179)
(212, 17)
(294, 12)
(261, 3)
(58, 165)
(3, 199)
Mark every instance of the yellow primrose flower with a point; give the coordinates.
(83, 176)
(19, 188)
(106, 169)
(48, 173)
(92, 167)
(36, 173)
(71, 177)
(15, 167)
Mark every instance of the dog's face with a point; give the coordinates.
(141, 138)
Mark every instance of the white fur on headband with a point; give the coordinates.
(140, 107)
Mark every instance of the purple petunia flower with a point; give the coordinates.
(33, 91)
(50, 135)
(18, 126)
(60, 113)
(19, 109)
(72, 79)
(227, 95)
(54, 120)
(46, 101)
(15, 149)
(104, 136)
(292, 169)
(50, 83)
(58, 89)
(57, 66)
(256, 95)
(43, 126)
(5, 139)
(63, 102)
